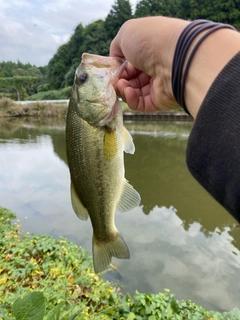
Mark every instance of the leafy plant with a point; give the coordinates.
(52, 94)
(29, 307)
(42, 278)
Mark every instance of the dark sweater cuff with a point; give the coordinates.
(213, 151)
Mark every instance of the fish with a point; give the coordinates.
(96, 140)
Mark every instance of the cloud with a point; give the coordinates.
(32, 30)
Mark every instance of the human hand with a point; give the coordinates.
(148, 44)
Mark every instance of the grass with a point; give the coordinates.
(9, 108)
(42, 278)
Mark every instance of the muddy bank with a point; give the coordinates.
(58, 109)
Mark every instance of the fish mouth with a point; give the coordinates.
(108, 70)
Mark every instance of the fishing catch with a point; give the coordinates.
(96, 139)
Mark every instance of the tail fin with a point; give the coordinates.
(103, 252)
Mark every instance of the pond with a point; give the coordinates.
(179, 237)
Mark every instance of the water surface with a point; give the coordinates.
(179, 237)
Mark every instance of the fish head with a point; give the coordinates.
(93, 90)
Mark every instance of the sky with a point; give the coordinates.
(32, 30)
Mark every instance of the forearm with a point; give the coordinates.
(210, 58)
(213, 146)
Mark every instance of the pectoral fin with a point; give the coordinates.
(128, 145)
(129, 199)
(77, 205)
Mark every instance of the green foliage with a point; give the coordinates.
(31, 306)
(61, 94)
(18, 80)
(19, 83)
(232, 315)
(121, 11)
(160, 306)
(10, 69)
(92, 39)
(76, 42)
(67, 57)
(150, 8)
(59, 269)
(42, 278)
(226, 11)
(43, 87)
(69, 76)
(96, 38)
(58, 66)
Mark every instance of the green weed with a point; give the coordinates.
(42, 278)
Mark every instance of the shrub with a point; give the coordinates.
(9, 108)
(52, 95)
(42, 278)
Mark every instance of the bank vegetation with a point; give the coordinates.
(10, 108)
(42, 278)
(41, 109)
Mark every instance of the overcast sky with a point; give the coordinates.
(32, 30)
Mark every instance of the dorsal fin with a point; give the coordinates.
(129, 198)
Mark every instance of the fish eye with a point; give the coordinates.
(82, 78)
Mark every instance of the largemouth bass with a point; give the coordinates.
(96, 139)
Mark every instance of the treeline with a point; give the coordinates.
(27, 80)
(18, 80)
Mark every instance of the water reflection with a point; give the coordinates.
(193, 249)
(165, 255)
(158, 171)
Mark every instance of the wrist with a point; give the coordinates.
(171, 31)
(187, 66)
(209, 60)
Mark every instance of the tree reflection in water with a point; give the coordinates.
(179, 237)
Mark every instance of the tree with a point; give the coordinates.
(121, 11)
(75, 43)
(64, 59)
(19, 78)
(225, 11)
(19, 83)
(143, 9)
(58, 66)
(95, 39)
(155, 7)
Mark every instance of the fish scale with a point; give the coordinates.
(95, 140)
